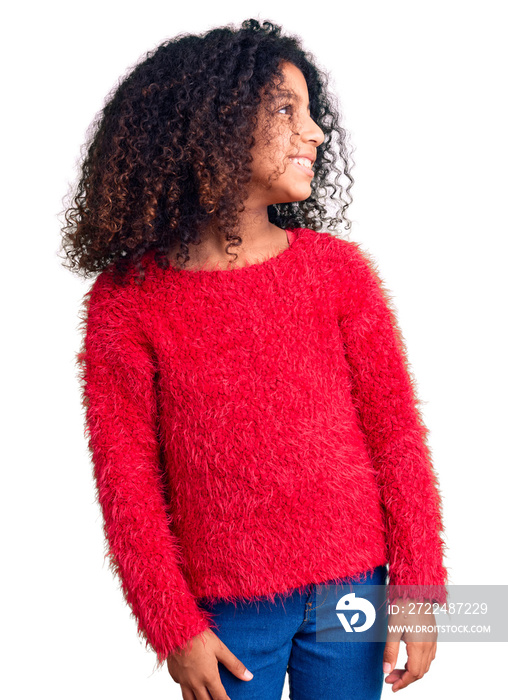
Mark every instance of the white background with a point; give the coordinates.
(423, 89)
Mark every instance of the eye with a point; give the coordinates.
(288, 107)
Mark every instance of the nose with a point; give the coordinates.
(312, 132)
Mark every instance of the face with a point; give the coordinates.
(277, 176)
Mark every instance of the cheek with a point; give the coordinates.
(274, 155)
(282, 149)
(268, 160)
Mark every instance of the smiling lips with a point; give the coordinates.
(304, 164)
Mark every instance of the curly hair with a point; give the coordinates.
(170, 151)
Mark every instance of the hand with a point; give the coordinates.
(197, 670)
(421, 646)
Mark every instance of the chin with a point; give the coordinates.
(300, 194)
(294, 194)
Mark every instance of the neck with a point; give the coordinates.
(259, 236)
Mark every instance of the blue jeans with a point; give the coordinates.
(274, 638)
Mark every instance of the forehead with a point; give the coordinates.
(294, 84)
(292, 74)
(293, 77)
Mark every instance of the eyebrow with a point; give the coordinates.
(290, 94)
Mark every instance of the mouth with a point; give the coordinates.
(303, 164)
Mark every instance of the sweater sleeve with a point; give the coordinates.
(385, 400)
(117, 373)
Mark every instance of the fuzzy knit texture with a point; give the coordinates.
(255, 430)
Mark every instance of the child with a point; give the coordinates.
(251, 417)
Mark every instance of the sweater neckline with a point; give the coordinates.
(293, 236)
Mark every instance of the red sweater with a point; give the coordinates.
(255, 430)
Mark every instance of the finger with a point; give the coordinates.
(187, 693)
(233, 663)
(395, 675)
(426, 662)
(406, 679)
(202, 693)
(427, 667)
(414, 669)
(430, 658)
(217, 690)
(420, 658)
(417, 655)
(390, 655)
